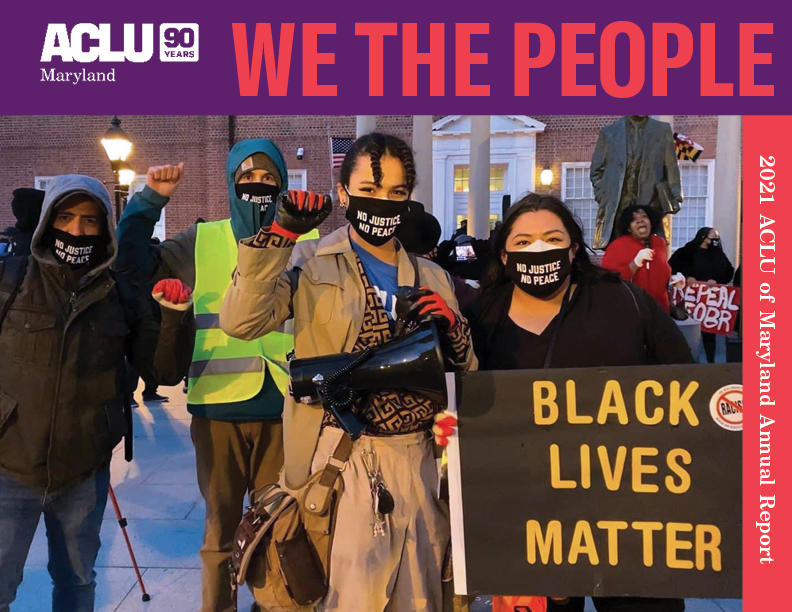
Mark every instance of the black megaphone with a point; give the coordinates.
(412, 363)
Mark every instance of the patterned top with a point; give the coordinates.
(393, 412)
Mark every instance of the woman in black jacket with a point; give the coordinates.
(544, 304)
(702, 259)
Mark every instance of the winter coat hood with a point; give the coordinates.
(60, 188)
(245, 217)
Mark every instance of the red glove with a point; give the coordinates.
(434, 306)
(172, 293)
(444, 427)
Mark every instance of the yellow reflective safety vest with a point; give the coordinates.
(226, 369)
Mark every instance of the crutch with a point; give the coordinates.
(123, 523)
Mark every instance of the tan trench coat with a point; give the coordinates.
(327, 307)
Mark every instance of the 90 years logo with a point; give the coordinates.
(179, 42)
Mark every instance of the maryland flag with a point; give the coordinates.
(685, 148)
(519, 603)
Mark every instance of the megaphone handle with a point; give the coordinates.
(341, 408)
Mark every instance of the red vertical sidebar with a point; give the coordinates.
(767, 362)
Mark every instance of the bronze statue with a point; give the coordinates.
(634, 163)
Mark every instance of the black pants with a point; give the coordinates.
(710, 343)
(619, 604)
(132, 381)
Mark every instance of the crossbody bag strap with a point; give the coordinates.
(318, 494)
(414, 262)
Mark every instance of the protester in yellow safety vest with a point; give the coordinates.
(235, 388)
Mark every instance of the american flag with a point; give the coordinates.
(338, 149)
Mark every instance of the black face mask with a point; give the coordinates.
(262, 195)
(78, 251)
(715, 243)
(539, 273)
(376, 220)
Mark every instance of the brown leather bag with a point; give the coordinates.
(282, 546)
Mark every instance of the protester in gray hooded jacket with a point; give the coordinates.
(62, 346)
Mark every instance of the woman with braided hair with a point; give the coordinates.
(391, 532)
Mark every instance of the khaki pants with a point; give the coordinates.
(402, 570)
(232, 459)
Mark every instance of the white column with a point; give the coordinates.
(422, 145)
(365, 124)
(726, 210)
(478, 196)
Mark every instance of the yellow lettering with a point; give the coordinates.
(640, 402)
(705, 544)
(551, 542)
(585, 466)
(679, 402)
(544, 393)
(673, 545)
(647, 528)
(613, 527)
(672, 459)
(639, 469)
(555, 470)
(583, 544)
(612, 403)
(572, 416)
(612, 474)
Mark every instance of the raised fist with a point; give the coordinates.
(299, 212)
(172, 293)
(164, 179)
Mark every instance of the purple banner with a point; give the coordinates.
(193, 63)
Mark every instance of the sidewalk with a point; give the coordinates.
(159, 497)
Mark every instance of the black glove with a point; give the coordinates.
(299, 212)
(417, 306)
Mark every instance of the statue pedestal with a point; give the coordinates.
(691, 329)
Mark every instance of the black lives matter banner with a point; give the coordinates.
(600, 481)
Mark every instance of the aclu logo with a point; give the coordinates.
(89, 42)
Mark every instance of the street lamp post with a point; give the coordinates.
(118, 146)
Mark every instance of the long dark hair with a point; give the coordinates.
(377, 145)
(582, 268)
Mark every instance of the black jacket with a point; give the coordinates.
(62, 349)
(702, 264)
(607, 323)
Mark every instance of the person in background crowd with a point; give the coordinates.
(586, 317)
(419, 232)
(461, 230)
(26, 206)
(150, 386)
(344, 302)
(702, 259)
(69, 322)
(235, 388)
(639, 254)
(464, 258)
